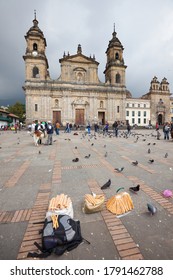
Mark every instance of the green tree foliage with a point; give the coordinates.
(18, 109)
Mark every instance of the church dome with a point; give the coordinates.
(114, 42)
(35, 30)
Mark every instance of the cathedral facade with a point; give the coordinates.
(78, 96)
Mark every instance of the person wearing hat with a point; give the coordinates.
(50, 130)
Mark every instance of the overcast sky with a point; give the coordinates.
(144, 27)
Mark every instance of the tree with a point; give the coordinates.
(18, 109)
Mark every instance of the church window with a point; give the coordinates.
(139, 113)
(145, 121)
(145, 113)
(139, 120)
(56, 103)
(118, 109)
(36, 107)
(35, 72)
(101, 104)
(34, 47)
(117, 55)
(118, 78)
(161, 101)
(133, 120)
(133, 113)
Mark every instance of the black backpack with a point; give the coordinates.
(66, 236)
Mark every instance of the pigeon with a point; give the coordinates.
(151, 208)
(134, 189)
(149, 151)
(119, 169)
(92, 144)
(151, 160)
(39, 152)
(106, 185)
(75, 159)
(87, 156)
(154, 143)
(135, 163)
(166, 155)
(148, 144)
(75, 147)
(106, 154)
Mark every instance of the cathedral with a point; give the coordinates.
(78, 96)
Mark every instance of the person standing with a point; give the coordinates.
(15, 127)
(157, 126)
(89, 128)
(106, 128)
(57, 128)
(50, 130)
(128, 129)
(166, 130)
(157, 129)
(115, 127)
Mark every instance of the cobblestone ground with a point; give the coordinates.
(31, 176)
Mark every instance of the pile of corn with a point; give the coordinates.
(93, 203)
(120, 203)
(59, 202)
(94, 200)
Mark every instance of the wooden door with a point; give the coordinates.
(56, 116)
(79, 116)
(101, 117)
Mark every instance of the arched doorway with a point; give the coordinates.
(160, 119)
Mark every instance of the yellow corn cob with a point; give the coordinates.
(52, 204)
(65, 201)
(90, 199)
(61, 200)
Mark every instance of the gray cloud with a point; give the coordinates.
(145, 29)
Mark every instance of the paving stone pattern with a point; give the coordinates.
(31, 176)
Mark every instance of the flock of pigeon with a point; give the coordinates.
(151, 208)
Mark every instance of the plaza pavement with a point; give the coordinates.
(30, 176)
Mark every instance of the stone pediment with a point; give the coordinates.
(80, 101)
(78, 58)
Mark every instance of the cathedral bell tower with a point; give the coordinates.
(36, 64)
(115, 67)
